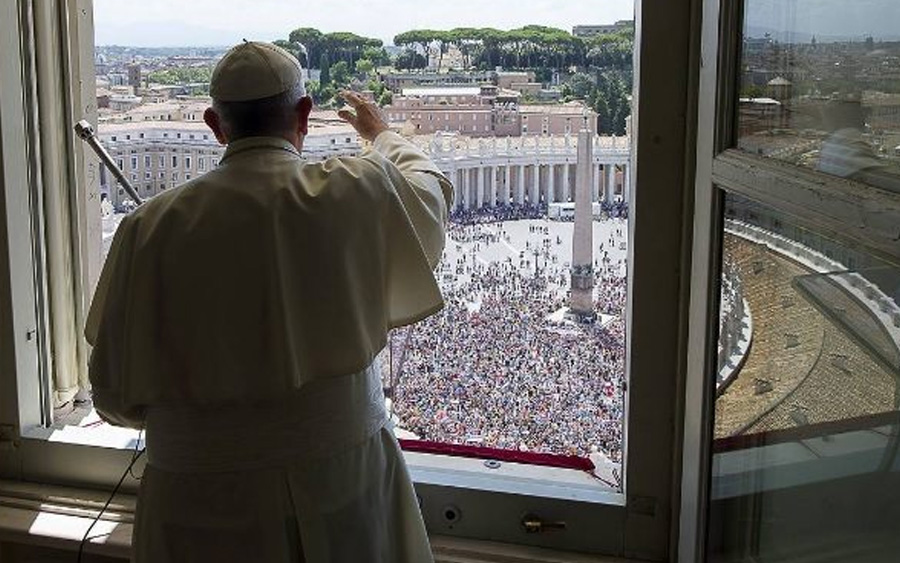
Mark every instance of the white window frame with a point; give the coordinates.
(640, 525)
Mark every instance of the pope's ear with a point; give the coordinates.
(303, 109)
(212, 120)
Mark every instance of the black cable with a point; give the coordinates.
(134, 457)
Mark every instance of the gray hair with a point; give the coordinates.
(270, 116)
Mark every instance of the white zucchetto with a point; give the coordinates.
(253, 70)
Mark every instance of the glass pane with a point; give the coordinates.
(805, 461)
(820, 86)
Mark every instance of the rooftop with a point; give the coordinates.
(567, 108)
(316, 126)
(761, 101)
(443, 91)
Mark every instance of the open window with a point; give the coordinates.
(795, 407)
(509, 409)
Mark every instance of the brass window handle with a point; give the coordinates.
(535, 525)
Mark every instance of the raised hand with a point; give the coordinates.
(366, 117)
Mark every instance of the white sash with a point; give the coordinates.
(325, 417)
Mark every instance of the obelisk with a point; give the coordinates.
(581, 298)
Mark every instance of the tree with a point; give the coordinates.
(611, 51)
(321, 94)
(311, 39)
(340, 74)
(466, 40)
(341, 45)
(410, 59)
(364, 67)
(417, 38)
(346, 46)
(295, 49)
(325, 69)
(531, 46)
(753, 91)
(181, 75)
(581, 85)
(377, 55)
(603, 117)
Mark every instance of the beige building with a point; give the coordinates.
(482, 111)
(161, 111)
(397, 81)
(556, 119)
(585, 31)
(158, 155)
(124, 102)
(523, 82)
(476, 111)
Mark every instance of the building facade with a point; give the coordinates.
(586, 31)
(158, 155)
(483, 111)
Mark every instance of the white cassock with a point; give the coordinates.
(237, 319)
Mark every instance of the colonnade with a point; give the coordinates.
(481, 185)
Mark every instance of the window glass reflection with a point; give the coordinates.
(805, 464)
(820, 86)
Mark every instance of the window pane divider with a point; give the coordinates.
(859, 214)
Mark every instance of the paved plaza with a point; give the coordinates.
(498, 366)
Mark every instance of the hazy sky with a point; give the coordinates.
(836, 18)
(221, 22)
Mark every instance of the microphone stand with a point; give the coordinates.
(84, 130)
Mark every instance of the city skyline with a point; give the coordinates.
(800, 20)
(162, 23)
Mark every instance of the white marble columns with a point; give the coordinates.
(507, 184)
(610, 182)
(520, 185)
(479, 186)
(492, 174)
(626, 186)
(484, 185)
(551, 189)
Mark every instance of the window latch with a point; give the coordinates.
(535, 525)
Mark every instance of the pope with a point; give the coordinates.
(237, 321)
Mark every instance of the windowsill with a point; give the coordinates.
(755, 470)
(57, 518)
(511, 478)
(82, 426)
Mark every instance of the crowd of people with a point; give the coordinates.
(494, 369)
(520, 211)
(500, 212)
(615, 209)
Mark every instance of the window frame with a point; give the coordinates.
(827, 204)
(641, 526)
